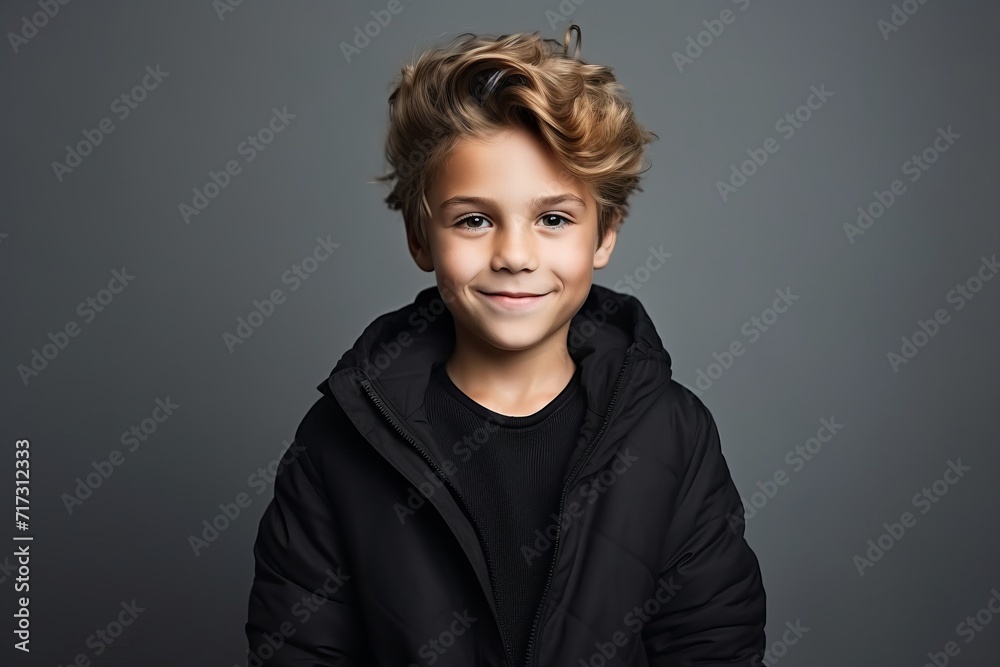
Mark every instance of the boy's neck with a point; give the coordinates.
(513, 383)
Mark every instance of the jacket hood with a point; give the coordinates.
(397, 350)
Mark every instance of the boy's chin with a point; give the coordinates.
(514, 336)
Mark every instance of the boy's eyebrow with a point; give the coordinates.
(537, 202)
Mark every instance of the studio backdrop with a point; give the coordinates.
(190, 239)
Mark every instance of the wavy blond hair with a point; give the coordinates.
(479, 84)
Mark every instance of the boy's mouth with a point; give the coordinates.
(515, 295)
(513, 300)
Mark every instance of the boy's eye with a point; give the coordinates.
(549, 217)
(472, 221)
(471, 218)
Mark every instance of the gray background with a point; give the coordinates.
(825, 357)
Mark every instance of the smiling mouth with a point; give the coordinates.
(513, 295)
(514, 300)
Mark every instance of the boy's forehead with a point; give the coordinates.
(509, 164)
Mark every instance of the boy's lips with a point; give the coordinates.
(514, 294)
(513, 300)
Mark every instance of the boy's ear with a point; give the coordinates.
(603, 254)
(419, 253)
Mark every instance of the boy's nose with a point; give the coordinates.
(514, 250)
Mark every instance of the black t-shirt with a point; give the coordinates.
(510, 471)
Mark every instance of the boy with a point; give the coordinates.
(503, 472)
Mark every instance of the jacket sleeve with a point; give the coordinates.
(716, 613)
(303, 604)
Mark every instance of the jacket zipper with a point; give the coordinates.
(562, 500)
(389, 415)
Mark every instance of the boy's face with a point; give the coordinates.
(506, 217)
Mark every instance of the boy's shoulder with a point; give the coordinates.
(323, 417)
(683, 404)
(685, 421)
(324, 430)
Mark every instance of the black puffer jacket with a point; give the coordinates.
(366, 555)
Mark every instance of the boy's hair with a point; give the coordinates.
(481, 84)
